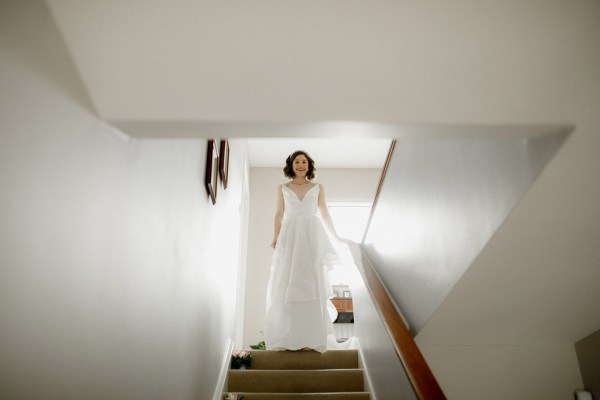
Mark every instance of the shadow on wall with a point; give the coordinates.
(441, 202)
(588, 355)
(33, 37)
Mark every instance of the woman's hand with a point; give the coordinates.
(274, 244)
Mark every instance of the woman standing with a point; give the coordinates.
(297, 314)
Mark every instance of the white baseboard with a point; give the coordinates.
(361, 364)
(222, 381)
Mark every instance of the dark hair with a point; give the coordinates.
(288, 170)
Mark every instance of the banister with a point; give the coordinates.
(380, 184)
(419, 374)
(417, 370)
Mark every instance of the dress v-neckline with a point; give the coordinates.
(296, 194)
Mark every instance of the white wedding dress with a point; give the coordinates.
(298, 292)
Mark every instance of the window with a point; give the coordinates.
(350, 219)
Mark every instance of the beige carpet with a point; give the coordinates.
(297, 375)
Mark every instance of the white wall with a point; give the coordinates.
(441, 202)
(112, 260)
(537, 372)
(339, 184)
(385, 373)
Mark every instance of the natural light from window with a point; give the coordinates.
(350, 219)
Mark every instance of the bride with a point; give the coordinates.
(297, 314)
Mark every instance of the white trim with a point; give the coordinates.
(244, 210)
(222, 381)
(367, 377)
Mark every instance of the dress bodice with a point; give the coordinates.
(294, 206)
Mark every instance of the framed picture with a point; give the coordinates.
(212, 170)
(224, 162)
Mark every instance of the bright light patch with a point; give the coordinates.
(350, 219)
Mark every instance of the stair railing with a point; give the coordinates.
(417, 370)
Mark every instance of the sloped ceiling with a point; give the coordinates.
(176, 68)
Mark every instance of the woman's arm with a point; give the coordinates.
(278, 216)
(325, 214)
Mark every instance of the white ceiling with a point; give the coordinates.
(327, 152)
(162, 68)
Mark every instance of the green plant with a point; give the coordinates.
(259, 346)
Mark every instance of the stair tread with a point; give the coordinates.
(306, 396)
(332, 359)
(288, 371)
(296, 381)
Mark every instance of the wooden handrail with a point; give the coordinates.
(380, 184)
(419, 374)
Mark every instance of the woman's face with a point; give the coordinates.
(300, 165)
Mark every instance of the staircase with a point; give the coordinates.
(300, 375)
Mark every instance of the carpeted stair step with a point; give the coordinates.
(306, 396)
(296, 381)
(332, 359)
